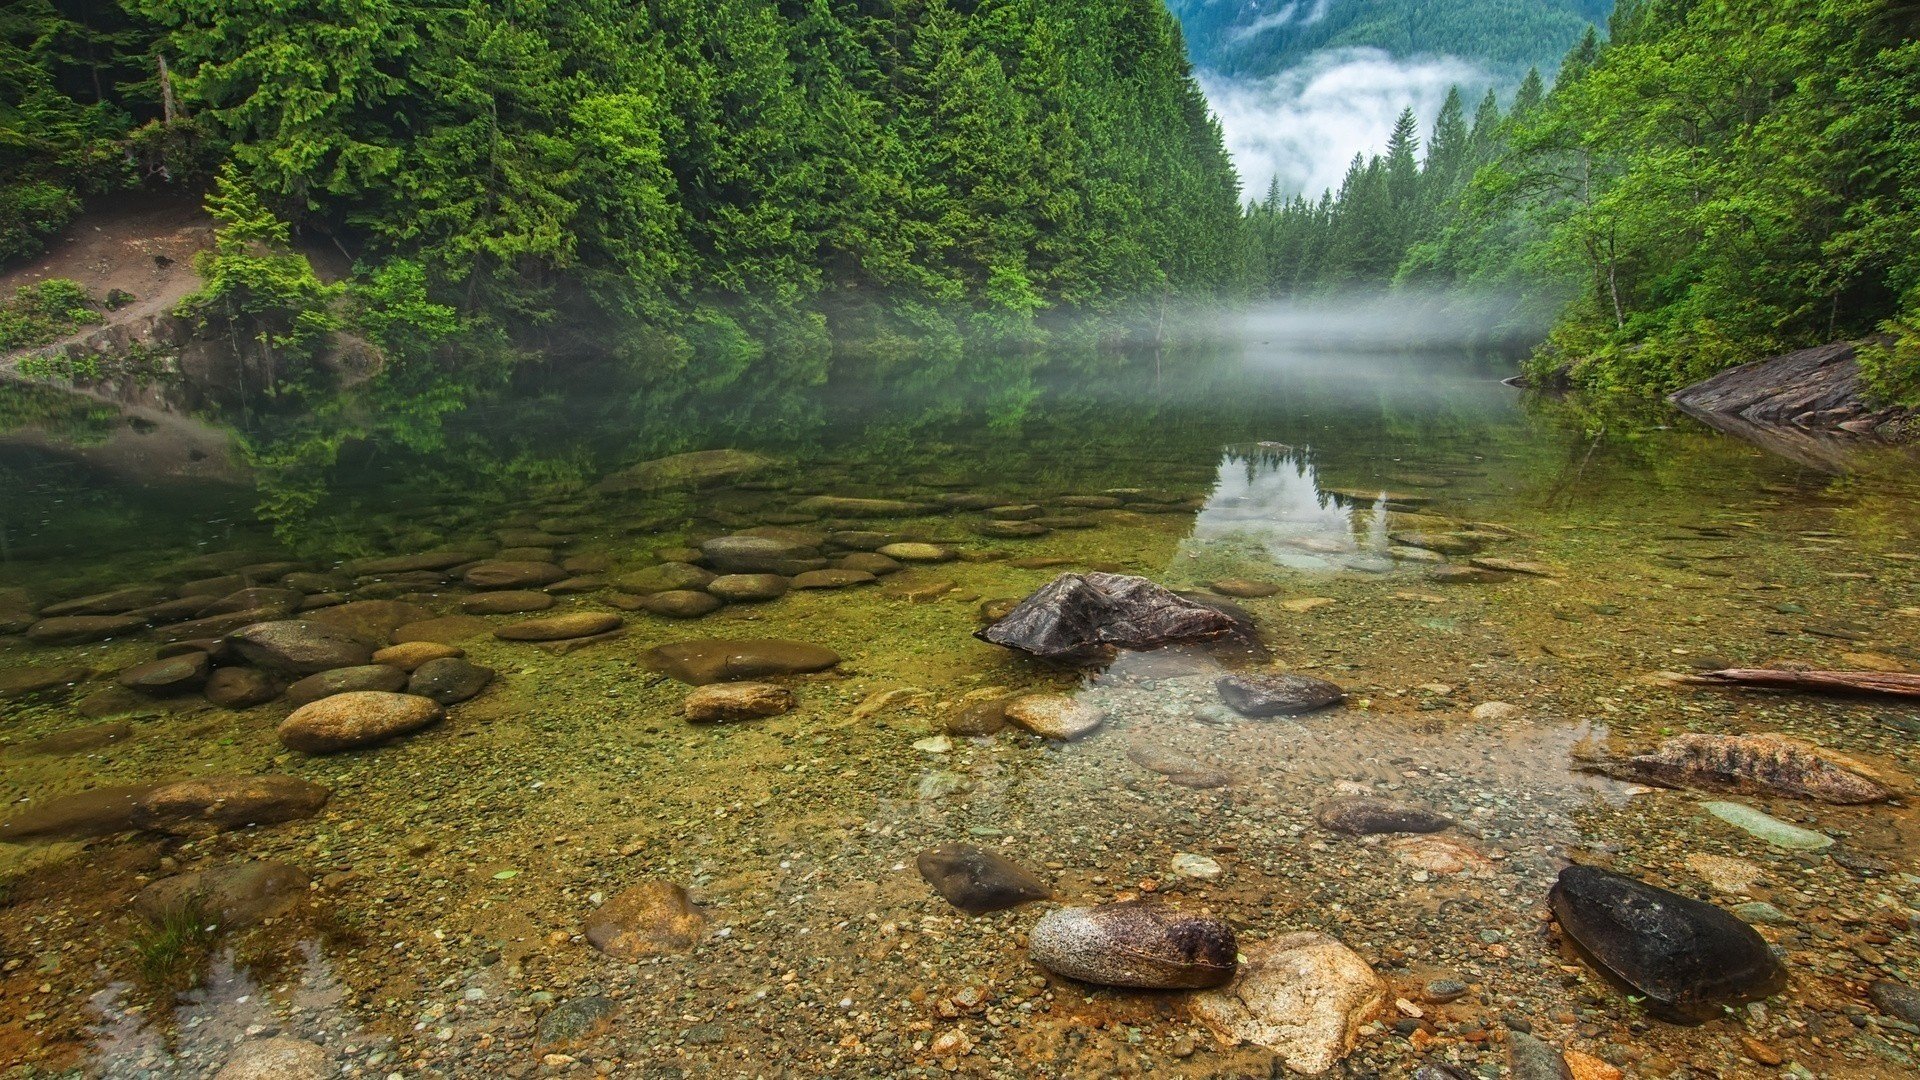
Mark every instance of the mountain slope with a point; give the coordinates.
(1259, 37)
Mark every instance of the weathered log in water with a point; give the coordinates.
(1886, 683)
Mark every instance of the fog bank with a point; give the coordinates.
(1304, 125)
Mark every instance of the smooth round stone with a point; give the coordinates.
(678, 554)
(871, 562)
(511, 574)
(666, 577)
(116, 602)
(25, 682)
(861, 540)
(298, 647)
(712, 660)
(1089, 502)
(848, 507)
(1361, 815)
(1243, 589)
(587, 564)
(1058, 521)
(748, 588)
(652, 918)
(444, 630)
(360, 718)
(721, 702)
(507, 602)
(210, 804)
(1136, 944)
(754, 554)
(1010, 530)
(449, 680)
(526, 554)
(173, 675)
(250, 599)
(1688, 959)
(681, 604)
(240, 687)
(560, 627)
(1018, 512)
(832, 579)
(976, 880)
(915, 552)
(1277, 695)
(412, 654)
(83, 629)
(1054, 716)
(585, 583)
(343, 680)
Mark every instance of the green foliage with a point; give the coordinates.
(45, 311)
(1721, 181)
(1890, 366)
(169, 951)
(263, 296)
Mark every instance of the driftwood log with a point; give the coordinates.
(1884, 683)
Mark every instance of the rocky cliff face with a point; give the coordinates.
(1808, 405)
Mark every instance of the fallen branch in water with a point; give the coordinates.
(1894, 684)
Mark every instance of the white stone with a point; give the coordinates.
(1303, 996)
(1496, 710)
(1188, 865)
(935, 744)
(282, 1057)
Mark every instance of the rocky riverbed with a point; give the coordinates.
(641, 779)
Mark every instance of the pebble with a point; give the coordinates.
(1054, 716)
(1186, 864)
(1137, 944)
(976, 880)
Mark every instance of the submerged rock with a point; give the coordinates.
(1361, 815)
(845, 507)
(696, 469)
(412, 654)
(748, 588)
(653, 918)
(743, 554)
(1083, 618)
(360, 718)
(559, 627)
(1688, 959)
(1278, 695)
(1135, 943)
(76, 740)
(240, 687)
(210, 804)
(506, 602)
(512, 574)
(1531, 1059)
(1303, 996)
(238, 895)
(1053, 716)
(1757, 764)
(680, 604)
(116, 602)
(449, 680)
(713, 660)
(298, 647)
(664, 577)
(282, 1057)
(976, 880)
(574, 1020)
(720, 702)
(100, 812)
(1243, 589)
(83, 629)
(25, 682)
(174, 675)
(343, 680)
(1177, 767)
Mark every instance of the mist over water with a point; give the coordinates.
(1304, 125)
(1372, 321)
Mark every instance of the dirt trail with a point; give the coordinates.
(144, 247)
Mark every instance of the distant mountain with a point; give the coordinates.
(1244, 38)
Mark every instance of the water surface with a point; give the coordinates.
(452, 870)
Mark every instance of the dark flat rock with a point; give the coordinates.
(976, 880)
(1686, 958)
(1278, 695)
(1084, 618)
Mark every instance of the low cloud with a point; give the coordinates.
(1304, 124)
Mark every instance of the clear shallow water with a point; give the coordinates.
(452, 870)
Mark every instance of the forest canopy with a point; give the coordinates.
(665, 177)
